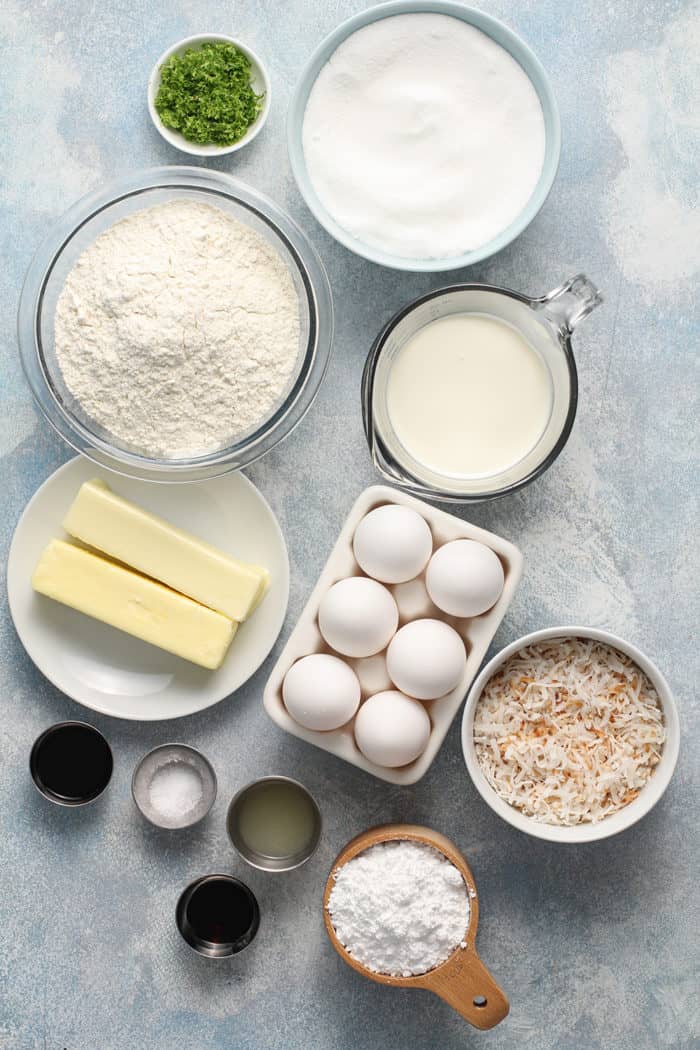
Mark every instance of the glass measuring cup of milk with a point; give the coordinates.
(470, 392)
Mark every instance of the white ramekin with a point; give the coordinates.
(616, 822)
(259, 80)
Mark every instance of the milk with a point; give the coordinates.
(467, 396)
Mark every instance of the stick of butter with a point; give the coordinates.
(132, 603)
(124, 531)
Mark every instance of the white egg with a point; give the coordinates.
(426, 659)
(393, 543)
(464, 578)
(321, 692)
(358, 617)
(392, 729)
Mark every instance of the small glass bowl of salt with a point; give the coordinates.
(174, 786)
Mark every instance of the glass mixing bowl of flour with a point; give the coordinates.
(265, 224)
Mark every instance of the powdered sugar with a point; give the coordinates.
(399, 908)
(178, 329)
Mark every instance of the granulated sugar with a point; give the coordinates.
(423, 137)
(399, 908)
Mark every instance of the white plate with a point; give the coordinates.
(109, 671)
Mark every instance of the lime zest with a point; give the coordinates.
(207, 96)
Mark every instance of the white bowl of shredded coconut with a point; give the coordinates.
(570, 734)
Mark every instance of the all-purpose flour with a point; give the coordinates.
(178, 329)
(423, 137)
(399, 908)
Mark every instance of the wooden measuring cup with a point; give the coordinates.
(461, 980)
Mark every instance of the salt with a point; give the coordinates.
(175, 790)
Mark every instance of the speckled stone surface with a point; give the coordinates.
(596, 946)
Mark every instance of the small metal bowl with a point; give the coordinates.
(149, 767)
(263, 861)
(78, 770)
(219, 949)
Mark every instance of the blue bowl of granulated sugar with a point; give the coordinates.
(424, 171)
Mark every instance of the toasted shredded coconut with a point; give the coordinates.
(568, 731)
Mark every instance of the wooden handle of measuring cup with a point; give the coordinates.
(465, 983)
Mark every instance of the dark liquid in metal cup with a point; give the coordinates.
(218, 915)
(220, 912)
(71, 763)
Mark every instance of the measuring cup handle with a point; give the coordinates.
(469, 988)
(568, 304)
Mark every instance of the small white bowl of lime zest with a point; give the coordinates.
(259, 81)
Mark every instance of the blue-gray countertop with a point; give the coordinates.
(596, 946)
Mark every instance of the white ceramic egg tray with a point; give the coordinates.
(413, 603)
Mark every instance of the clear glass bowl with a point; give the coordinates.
(79, 227)
(546, 324)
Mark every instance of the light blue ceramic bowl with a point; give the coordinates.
(503, 36)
